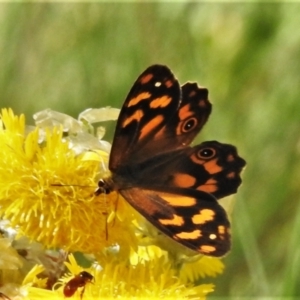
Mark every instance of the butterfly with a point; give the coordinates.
(176, 187)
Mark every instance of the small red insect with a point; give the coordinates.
(78, 281)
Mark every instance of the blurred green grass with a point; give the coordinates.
(70, 57)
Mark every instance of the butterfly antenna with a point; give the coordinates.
(78, 185)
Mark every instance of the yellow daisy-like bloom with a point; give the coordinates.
(48, 177)
(147, 280)
(47, 190)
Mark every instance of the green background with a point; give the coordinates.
(70, 57)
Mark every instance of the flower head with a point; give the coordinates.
(47, 190)
(48, 177)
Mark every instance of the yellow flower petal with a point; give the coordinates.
(205, 266)
(48, 191)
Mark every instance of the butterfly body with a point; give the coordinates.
(173, 185)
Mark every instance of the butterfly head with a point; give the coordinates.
(105, 186)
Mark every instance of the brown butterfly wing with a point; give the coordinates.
(210, 167)
(158, 116)
(191, 116)
(193, 218)
(151, 102)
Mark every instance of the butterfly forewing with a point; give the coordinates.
(152, 101)
(179, 131)
(158, 116)
(192, 114)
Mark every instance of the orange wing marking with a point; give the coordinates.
(151, 125)
(169, 83)
(137, 116)
(192, 94)
(145, 79)
(160, 133)
(177, 200)
(230, 158)
(196, 160)
(221, 229)
(177, 221)
(211, 182)
(230, 175)
(192, 235)
(185, 112)
(207, 188)
(212, 167)
(184, 180)
(140, 97)
(160, 102)
(202, 103)
(203, 216)
(207, 248)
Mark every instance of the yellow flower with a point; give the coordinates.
(146, 280)
(204, 266)
(48, 177)
(47, 191)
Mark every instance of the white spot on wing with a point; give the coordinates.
(212, 236)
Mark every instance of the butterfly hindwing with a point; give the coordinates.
(192, 218)
(210, 167)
